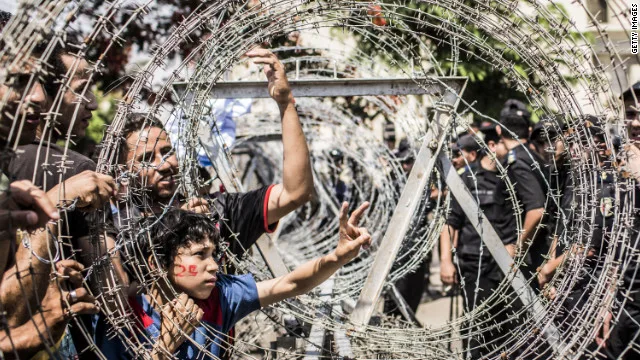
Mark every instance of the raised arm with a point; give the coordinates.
(315, 272)
(297, 179)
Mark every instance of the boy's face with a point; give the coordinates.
(194, 269)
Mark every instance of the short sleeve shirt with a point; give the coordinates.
(489, 190)
(243, 217)
(47, 169)
(525, 175)
(233, 298)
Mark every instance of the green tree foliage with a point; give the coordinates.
(488, 85)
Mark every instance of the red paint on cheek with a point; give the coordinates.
(181, 273)
(192, 270)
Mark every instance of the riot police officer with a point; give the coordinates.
(528, 173)
(478, 271)
(465, 150)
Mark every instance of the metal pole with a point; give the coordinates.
(332, 87)
(401, 219)
(497, 249)
(403, 307)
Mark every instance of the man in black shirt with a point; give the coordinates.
(24, 205)
(70, 181)
(597, 232)
(147, 154)
(48, 164)
(617, 337)
(527, 172)
(478, 270)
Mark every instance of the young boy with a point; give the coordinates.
(186, 313)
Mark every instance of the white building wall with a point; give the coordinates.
(617, 27)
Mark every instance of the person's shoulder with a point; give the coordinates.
(80, 161)
(519, 156)
(521, 153)
(25, 154)
(228, 280)
(77, 161)
(482, 172)
(236, 287)
(29, 147)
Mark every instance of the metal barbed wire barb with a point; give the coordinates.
(565, 60)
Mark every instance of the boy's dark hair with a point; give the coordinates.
(513, 125)
(175, 229)
(135, 122)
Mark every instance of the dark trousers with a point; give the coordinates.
(492, 327)
(411, 287)
(625, 332)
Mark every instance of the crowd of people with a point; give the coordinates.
(166, 258)
(546, 184)
(49, 238)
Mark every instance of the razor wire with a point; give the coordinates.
(561, 57)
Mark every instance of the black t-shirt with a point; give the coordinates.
(48, 167)
(243, 217)
(524, 170)
(529, 175)
(242, 220)
(491, 192)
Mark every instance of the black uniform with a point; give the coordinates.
(598, 234)
(625, 330)
(562, 214)
(528, 173)
(490, 192)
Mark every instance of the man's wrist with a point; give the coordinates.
(333, 258)
(290, 103)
